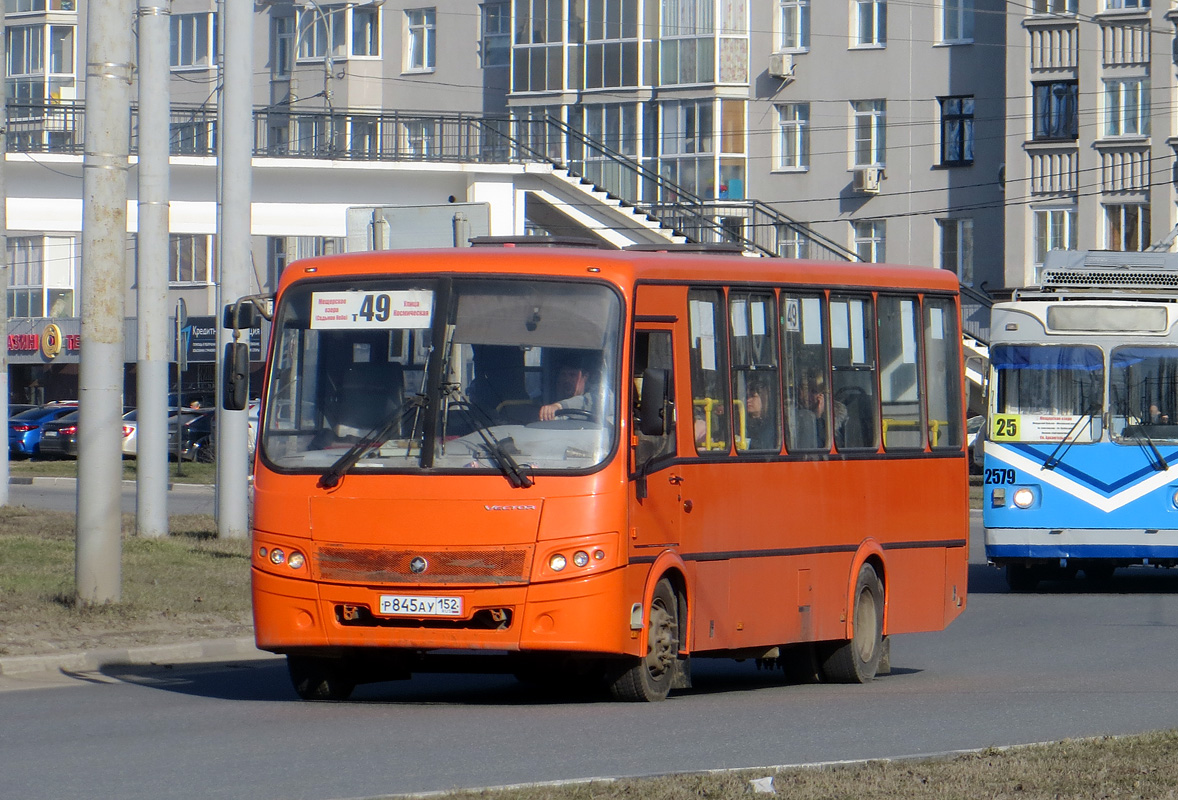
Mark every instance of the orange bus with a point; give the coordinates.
(578, 464)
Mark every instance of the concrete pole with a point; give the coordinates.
(234, 252)
(4, 471)
(151, 292)
(104, 276)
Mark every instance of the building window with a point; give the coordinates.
(793, 20)
(323, 32)
(792, 242)
(33, 77)
(1055, 229)
(1126, 227)
(957, 248)
(1116, 5)
(957, 20)
(189, 258)
(421, 40)
(197, 137)
(868, 127)
(496, 47)
(957, 130)
(611, 44)
(870, 20)
(688, 146)
(282, 37)
(41, 276)
(1126, 107)
(1059, 7)
(1056, 110)
(194, 41)
(869, 239)
(793, 120)
(687, 42)
(365, 30)
(537, 53)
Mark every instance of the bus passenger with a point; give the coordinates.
(814, 397)
(760, 422)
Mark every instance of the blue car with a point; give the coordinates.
(24, 429)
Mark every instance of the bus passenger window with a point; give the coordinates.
(756, 410)
(709, 372)
(804, 368)
(853, 369)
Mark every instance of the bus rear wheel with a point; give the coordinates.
(649, 678)
(857, 660)
(320, 678)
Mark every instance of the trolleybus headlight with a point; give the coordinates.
(277, 556)
(1023, 498)
(557, 562)
(296, 560)
(1175, 498)
(580, 558)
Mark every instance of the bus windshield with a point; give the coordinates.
(461, 374)
(1047, 393)
(1143, 392)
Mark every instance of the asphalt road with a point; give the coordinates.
(60, 494)
(1070, 661)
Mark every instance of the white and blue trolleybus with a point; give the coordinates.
(1081, 444)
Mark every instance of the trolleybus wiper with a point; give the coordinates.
(507, 465)
(1067, 442)
(336, 472)
(1160, 463)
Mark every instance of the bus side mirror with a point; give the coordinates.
(236, 377)
(241, 316)
(652, 405)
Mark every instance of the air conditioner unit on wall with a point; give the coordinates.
(867, 180)
(781, 65)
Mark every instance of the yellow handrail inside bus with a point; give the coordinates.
(934, 426)
(707, 404)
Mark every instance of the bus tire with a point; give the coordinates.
(857, 659)
(648, 679)
(1022, 577)
(324, 679)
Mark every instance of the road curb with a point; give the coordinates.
(72, 482)
(89, 660)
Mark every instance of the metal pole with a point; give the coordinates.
(104, 266)
(4, 389)
(234, 248)
(151, 294)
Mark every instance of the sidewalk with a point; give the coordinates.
(91, 660)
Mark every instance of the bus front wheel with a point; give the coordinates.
(320, 678)
(857, 660)
(649, 678)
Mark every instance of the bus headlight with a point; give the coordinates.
(557, 562)
(296, 560)
(277, 556)
(1175, 498)
(580, 558)
(1024, 498)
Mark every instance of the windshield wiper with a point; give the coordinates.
(1051, 461)
(1159, 463)
(507, 465)
(335, 473)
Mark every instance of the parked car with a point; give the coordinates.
(59, 437)
(24, 429)
(197, 442)
(976, 442)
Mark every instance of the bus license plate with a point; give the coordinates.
(420, 605)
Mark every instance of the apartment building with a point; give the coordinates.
(844, 130)
(1090, 130)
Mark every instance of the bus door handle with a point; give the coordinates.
(674, 479)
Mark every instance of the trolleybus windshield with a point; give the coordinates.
(1047, 393)
(444, 374)
(1143, 393)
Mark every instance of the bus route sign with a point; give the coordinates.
(368, 310)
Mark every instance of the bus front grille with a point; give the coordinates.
(378, 565)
